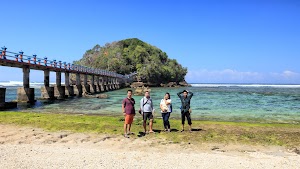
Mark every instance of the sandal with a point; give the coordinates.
(126, 136)
(130, 133)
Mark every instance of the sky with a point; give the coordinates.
(232, 41)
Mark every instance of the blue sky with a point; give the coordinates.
(255, 41)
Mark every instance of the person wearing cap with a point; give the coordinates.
(185, 97)
(147, 110)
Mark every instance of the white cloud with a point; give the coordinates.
(234, 76)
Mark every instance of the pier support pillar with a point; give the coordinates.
(113, 84)
(69, 90)
(101, 84)
(97, 86)
(26, 72)
(25, 94)
(78, 86)
(2, 95)
(117, 83)
(92, 85)
(105, 87)
(85, 86)
(59, 90)
(47, 92)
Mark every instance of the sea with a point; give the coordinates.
(259, 103)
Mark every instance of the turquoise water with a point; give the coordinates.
(279, 104)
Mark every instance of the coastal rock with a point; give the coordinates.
(172, 84)
(185, 84)
(102, 96)
(175, 84)
(141, 90)
(137, 84)
(89, 95)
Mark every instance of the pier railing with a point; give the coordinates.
(20, 59)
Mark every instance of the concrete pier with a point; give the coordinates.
(69, 90)
(78, 86)
(59, 90)
(2, 95)
(113, 83)
(110, 84)
(92, 85)
(5, 105)
(101, 84)
(47, 92)
(102, 80)
(85, 86)
(105, 87)
(25, 94)
(98, 87)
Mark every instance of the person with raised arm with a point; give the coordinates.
(185, 97)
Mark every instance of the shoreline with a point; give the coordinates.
(175, 116)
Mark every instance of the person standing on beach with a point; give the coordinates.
(166, 109)
(185, 97)
(129, 112)
(147, 110)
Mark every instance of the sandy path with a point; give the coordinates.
(25, 147)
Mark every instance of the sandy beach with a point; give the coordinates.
(28, 147)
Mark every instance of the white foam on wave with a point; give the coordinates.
(20, 83)
(246, 85)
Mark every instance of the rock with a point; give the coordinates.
(137, 84)
(141, 90)
(172, 84)
(163, 85)
(295, 150)
(185, 84)
(102, 96)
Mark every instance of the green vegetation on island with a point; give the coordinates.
(151, 64)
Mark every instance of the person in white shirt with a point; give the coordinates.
(166, 109)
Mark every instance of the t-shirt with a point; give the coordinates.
(129, 105)
(146, 105)
(163, 103)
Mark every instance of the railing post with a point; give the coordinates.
(3, 54)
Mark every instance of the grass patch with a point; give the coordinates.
(204, 131)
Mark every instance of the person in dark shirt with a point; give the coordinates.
(185, 97)
(129, 112)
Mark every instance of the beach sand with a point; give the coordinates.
(28, 147)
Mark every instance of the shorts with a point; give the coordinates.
(129, 118)
(147, 115)
(186, 115)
